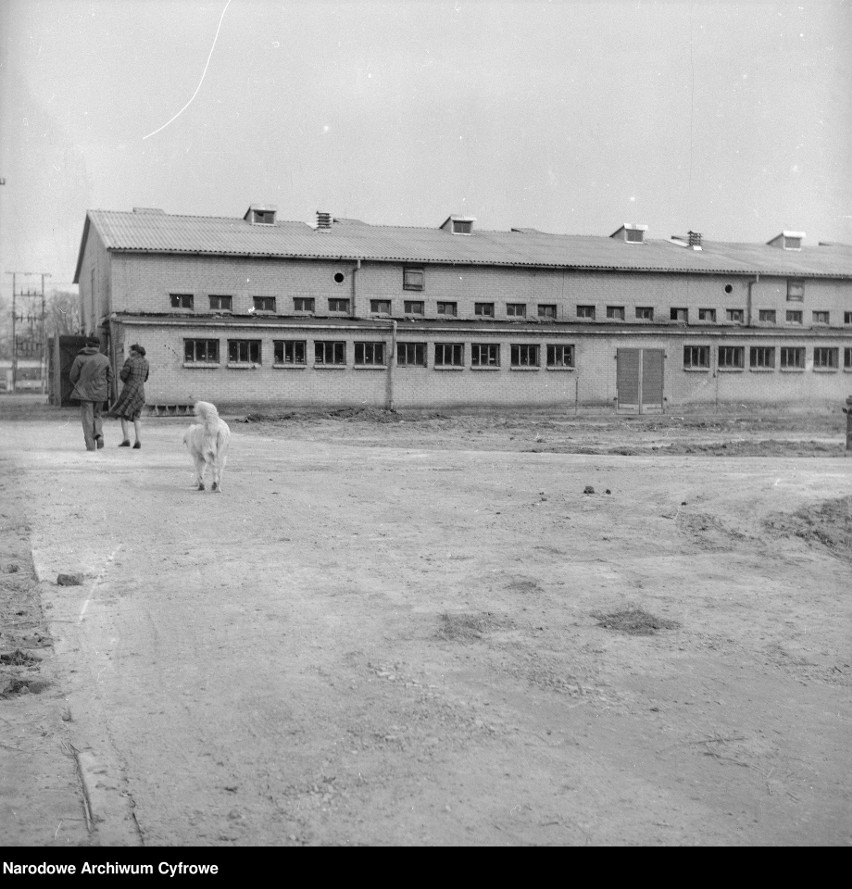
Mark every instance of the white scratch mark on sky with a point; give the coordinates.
(203, 74)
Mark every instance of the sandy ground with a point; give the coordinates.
(423, 629)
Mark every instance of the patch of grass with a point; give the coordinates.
(634, 621)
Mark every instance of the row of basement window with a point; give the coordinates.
(485, 310)
(766, 357)
(331, 353)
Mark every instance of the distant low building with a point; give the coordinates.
(262, 311)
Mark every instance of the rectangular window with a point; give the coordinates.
(616, 313)
(370, 354)
(516, 310)
(181, 300)
(449, 354)
(679, 315)
(821, 317)
(547, 310)
(735, 316)
(264, 303)
(766, 316)
(220, 303)
(586, 312)
(644, 313)
(484, 355)
(761, 357)
(795, 290)
(825, 357)
(201, 351)
(847, 317)
(731, 357)
(448, 309)
(792, 358)
(559, 355)
(794, 317)
(380, 306)
(707, 315)
(293, 352)
(483, 310)
(414, 307)
(696, 357)
(338, 305)
(303, 304)
(524, 356)
(411, 354)
(328, 353)
(243, 351)
(847, 358)
(413, 279)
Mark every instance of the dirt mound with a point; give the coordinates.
(828, 523)
(634, 621)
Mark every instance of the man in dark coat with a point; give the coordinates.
(91, 375)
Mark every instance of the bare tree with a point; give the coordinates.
(62, 313)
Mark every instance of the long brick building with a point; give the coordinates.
(262, 311)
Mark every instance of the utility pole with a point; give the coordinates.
(31, 317)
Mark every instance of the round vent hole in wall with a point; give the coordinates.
(339, 277)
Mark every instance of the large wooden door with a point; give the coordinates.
(639, 380)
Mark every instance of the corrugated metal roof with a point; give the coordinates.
(164, 233)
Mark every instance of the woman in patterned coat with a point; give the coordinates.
(132, 399)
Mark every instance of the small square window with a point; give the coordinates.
(181, 300)
(411, 354)
(825, 357)
(329, 354)
(448, 309)
(303, 304)
(547, 310)
(794, 317)
(735, 316)
(707, 315)
(380, 306)
(201, 351)
(484, 354)
(449, 354)
(483, 310)
(795, 290)
(766, 316)
(762, 357)
(792, 358)
(679, 315)
(292, 352)
(821, 317)
(559, 355)
(616, 313)
(264, 303)
(518, 310)
(731, 357)
(586, 312)
(414, 307)
(370, 354)
(644, 313)
(220, 303)
(338, 305)
(696, 357)
(243, 351)
(413, 279)
(847, 317)
(524, 355)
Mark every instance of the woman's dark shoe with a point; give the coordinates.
(138, 444)
(125, 444)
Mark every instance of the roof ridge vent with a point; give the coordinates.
(323, 221)
(694, 239)
(151, 210)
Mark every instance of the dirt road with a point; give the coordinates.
(396, 633)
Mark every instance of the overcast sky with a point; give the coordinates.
(729, 118)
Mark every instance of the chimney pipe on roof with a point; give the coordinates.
(694, 239)
(323, 221)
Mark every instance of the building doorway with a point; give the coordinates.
(639, 381)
